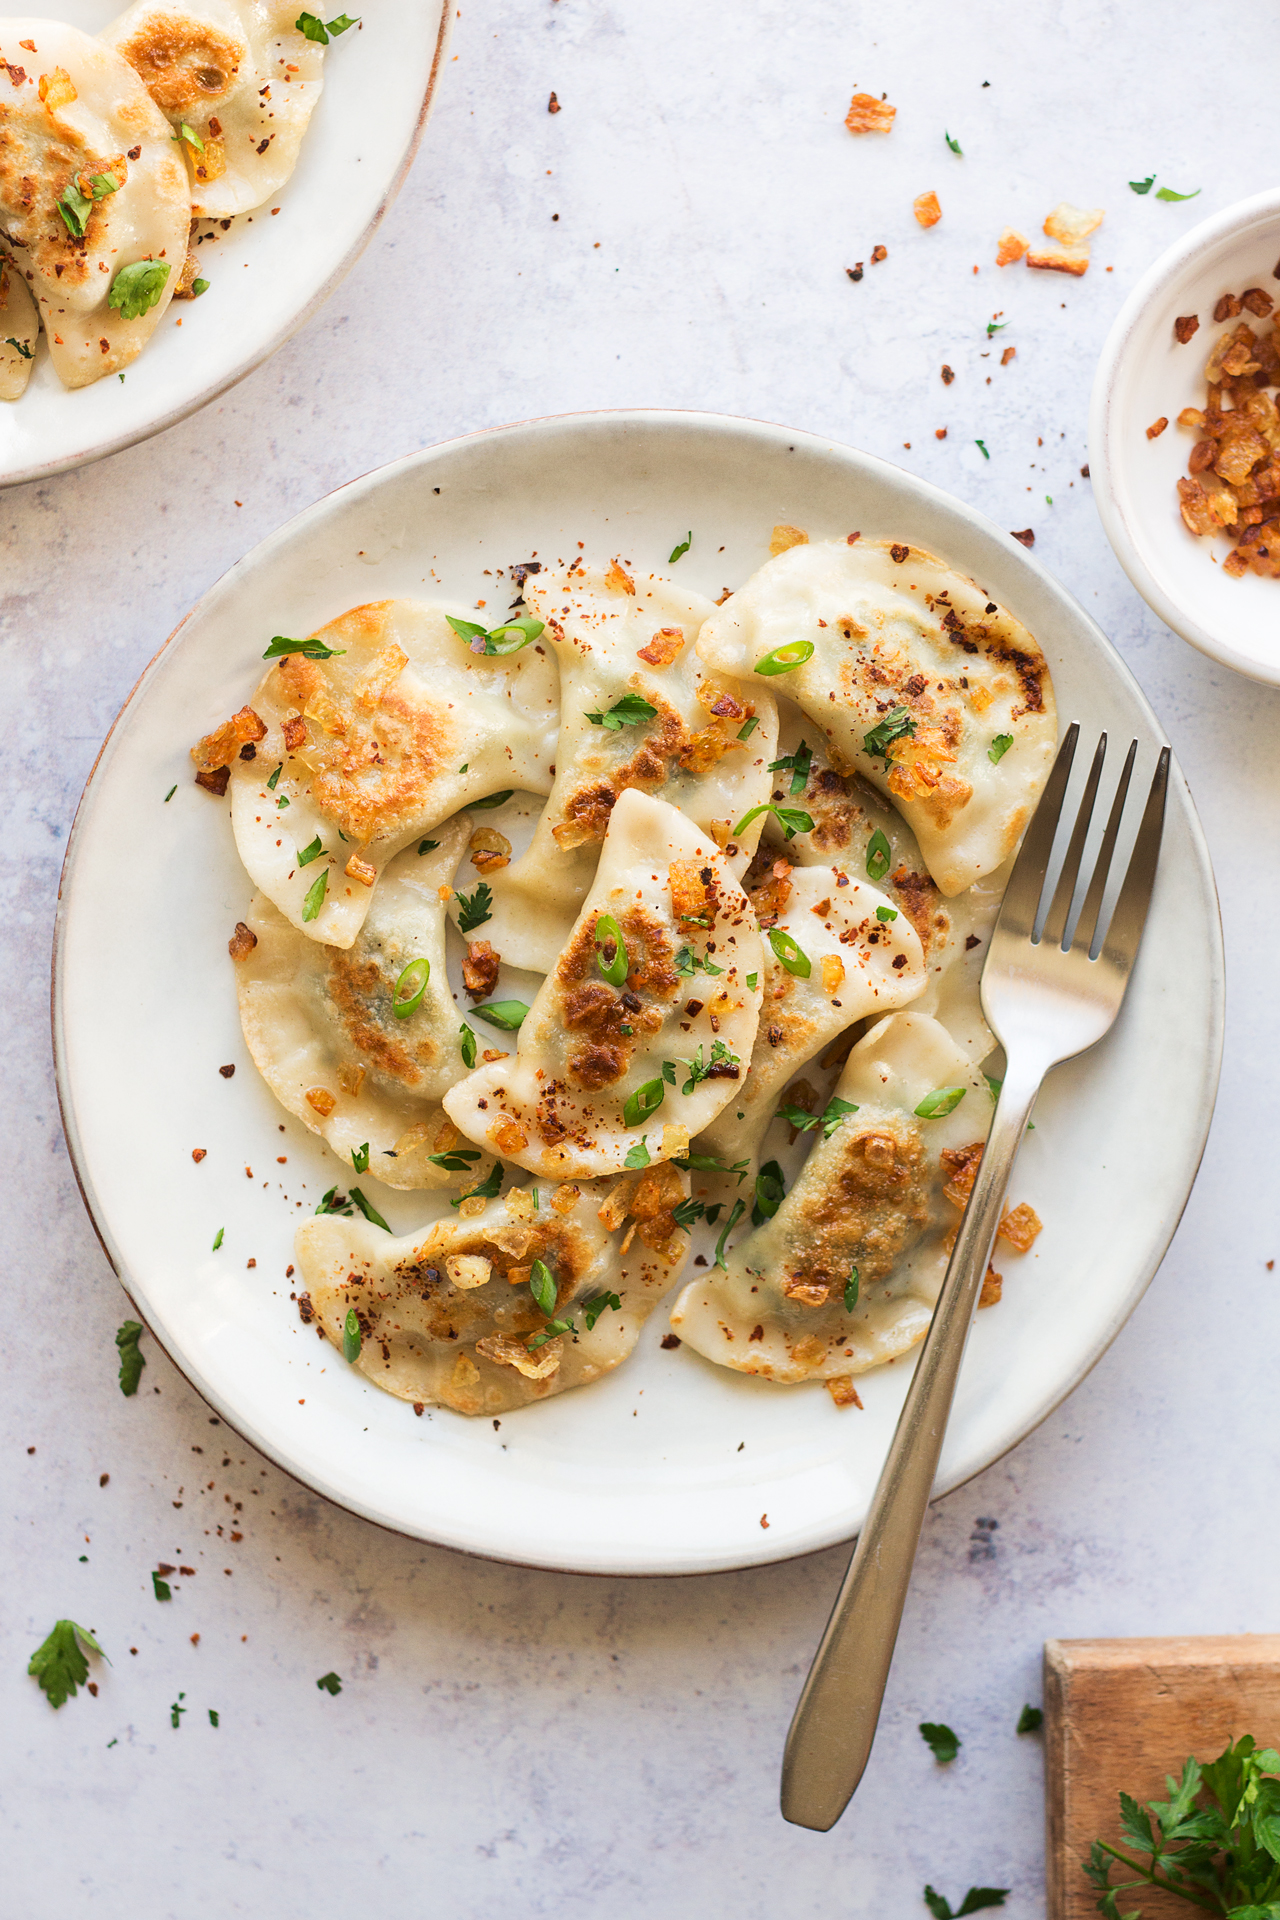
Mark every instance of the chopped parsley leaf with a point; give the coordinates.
(488, 1189)
(58, 1664)
(896, 725)
(20, 346)
(999, 747)
(360, 1158)
(688, 1213)
(688, 962)
(213, 1716)
(678, 552)
(1030, 1720)
(797, 764)
(467, 1045)
(940, 1740)
(707, 1163)
(996, 326)
(307, 854)
(637, 1156)
(427, 846)
(310, 649)
(132, 1360)
(753, 981)
(794, 819)
(334, 1202)
(137, 288)
(1167, 193)
(217, 1239)
(633, 710)
(369, 1211)
(595, 1306)
(542, 1285)
(879, 856)
(475, 908)
(491, 800)
(75, 209)
(982, 449)
(1143, 186)
(328, 1682)
(886, 913)
(456, 1160)
(163, 1591)
(974, 1901)
(700, 1070)
(271, 783)
(953, 144)
(315, 897)
(851, 1290)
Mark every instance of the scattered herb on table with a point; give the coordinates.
(132, 1360)
(953, 144)
(974, 1901)
(1167, 193)
(163, 1591)
(1030, 1720)
(329, 1683)
(996, 326)
(982, 449)
(58, 1664)
(176, 1711)
(217, 1238)
(941, 1741)
(1143, 186)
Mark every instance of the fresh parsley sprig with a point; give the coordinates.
(1223, 1856)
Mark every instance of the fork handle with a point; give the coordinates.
(834, 1724)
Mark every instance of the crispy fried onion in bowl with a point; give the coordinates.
(722, 1003)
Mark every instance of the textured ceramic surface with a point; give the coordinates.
(271, 270)
(1146, 374)
(644, 1472)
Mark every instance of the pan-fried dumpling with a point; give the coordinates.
(829, 959)
(448, 1315)
(626, 1053)
(402, 727)
(858, 832)
(321, 1023)
(240, 77)
(869, 1200)
(93, 195)
(19, 331)
(662, 724)
(918, 680)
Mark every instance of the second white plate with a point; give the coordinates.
(270, 272)
(669, 1465)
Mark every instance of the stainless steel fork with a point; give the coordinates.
(1046, 1000)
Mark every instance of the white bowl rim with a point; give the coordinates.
(651, 417)
(1159, 278)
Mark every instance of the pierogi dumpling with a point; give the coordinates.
(838, 963)
(400, 729)
(619, 1037)
(918, 681)
(630, 640)
(19, 331)
(240, 76)
(321, 1026)
(868, 1199)
(447, 1315)
(93, 195)
(847, 816)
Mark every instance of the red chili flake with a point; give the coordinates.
(199, 1153)
(553, 105)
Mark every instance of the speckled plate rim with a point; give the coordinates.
(1115, 509)
(145, 428)
(986, 542)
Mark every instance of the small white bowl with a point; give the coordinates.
(1144, 373)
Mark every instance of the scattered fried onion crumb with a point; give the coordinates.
(242, 942)
(1061, 260)
(1010, 246)
(1157, 427)
(868, 115)
(784, 537)
(843, 1391)
(1233, 470)
(926, 209)
(1010, 353)
(1073, 225)
(1184, 326)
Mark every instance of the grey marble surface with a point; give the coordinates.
(527, 1742)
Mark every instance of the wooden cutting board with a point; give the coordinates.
(1120, 1715)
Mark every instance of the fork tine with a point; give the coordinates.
(1056, 919)
(1086, 926)
(1121, 943)
(1026, 882)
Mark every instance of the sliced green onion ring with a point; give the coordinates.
(851, 1290)
(351, 1337)
(784, 659)
(608, 932)
(506, 1014)
(941, 1101)
(410, 987)
(789, 955)
(644, 1101)
(879, 856)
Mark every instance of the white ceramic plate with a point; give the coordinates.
(669, 1464)
(1145, 373)
(270, 272)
